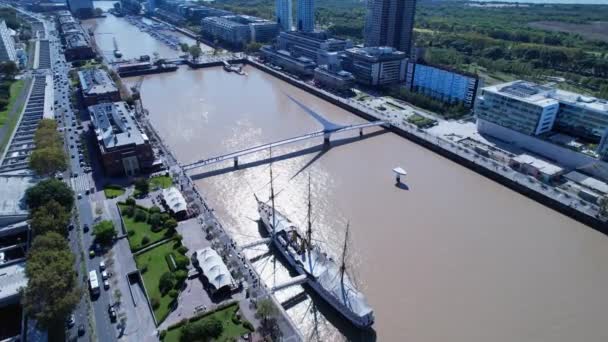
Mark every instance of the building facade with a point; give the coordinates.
(317, 46)
(390, 23)
(375, 66)
(536, 110)
(81, 8)
(7, 45)
(334, 79)
(283, 14)
(124, 148)
(442, 83)
(97, 87)
(305, 16)
(238, 30)
(301, 66)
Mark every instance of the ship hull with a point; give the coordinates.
(361, 322)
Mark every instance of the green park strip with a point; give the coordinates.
(161, 182)
(113, 191)
(231, 330)
(11, 121)
(140, 232)
(153, 264)
(15, 91)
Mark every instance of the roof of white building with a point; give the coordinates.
(174, 199)
(541, 165)
(589, 182)
(214, 268)
(12, 278)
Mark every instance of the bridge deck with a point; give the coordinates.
(233, 155)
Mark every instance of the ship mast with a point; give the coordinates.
(309, 230)
(272, 197)
(343, 266)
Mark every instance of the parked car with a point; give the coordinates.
(81, 330)
(112, 313)
(102, 266)
(106, 284)
(71, 321)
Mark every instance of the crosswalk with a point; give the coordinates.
(81, 183)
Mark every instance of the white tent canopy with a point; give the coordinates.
(174, 200)
(214, 268)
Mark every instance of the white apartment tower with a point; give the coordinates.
(283, 14)
(305, 15)
(7, 45)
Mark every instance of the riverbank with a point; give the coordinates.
(533, 189)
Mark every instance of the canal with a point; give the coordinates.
(454, 257)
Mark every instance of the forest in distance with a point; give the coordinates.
(537, 42)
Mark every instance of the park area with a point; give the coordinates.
(145, 226)
(163, 269)
(221, 325)
(113, 191)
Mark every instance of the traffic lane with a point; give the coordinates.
(105, 328)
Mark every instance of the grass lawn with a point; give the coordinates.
(15, 90)
(160, 182)
(140, 229)
(112, 192)
(231, 330)
(157, 265)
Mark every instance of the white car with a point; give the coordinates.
(104, 275)
(106, 284)
(102, 266)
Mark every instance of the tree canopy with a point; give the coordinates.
(104, 232)
(203, 330)
(48, 157)
(52, 290)
(47, 190)
(50, 217)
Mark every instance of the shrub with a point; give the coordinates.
(131, 233)
(173, 293)
(154, 219)
(170, 224)
(182, 262)
(145, 239)
(156, 229)
(163, 334)
(144, 268)
(127, 211)
(166, 282)
(130, 201)
(164, 217)
(182, 249)
(154, 210)
(140, 215)
(155, 302)
(180, 277)
(203, 329)
(171, 261)
(247, 325)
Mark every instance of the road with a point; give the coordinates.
(81, 180)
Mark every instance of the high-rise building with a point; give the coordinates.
(283, 14)
(305, 15)
(390, 23)
(151, 6)
(375, 66)
(7, 45)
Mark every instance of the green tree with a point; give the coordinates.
(184, 47)
(204, 330)
(253, 47)
(52, 290)
(48, 161)
(154, 220)
(142, 185)
(9, 70)
(170, 224)
(195, 51)
(50, 217)
(47, 190)
(104, 232)
(166, 282)
(98, 12)
(266, 309)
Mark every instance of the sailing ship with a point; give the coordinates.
(326, 276)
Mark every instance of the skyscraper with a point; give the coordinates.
(81, 8)
(305, 15)
(283, 13)
(390, 23)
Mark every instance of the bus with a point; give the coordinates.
(93, 283)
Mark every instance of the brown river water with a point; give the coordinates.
(454, 257)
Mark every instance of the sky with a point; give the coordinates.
(595, 2)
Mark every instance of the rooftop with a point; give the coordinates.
(96, 81)
(377, 52)
(75, 40)
(539, 164)
(115, 125)
(587, 181)
(12, 278)
(175, 200)
(12, 201)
